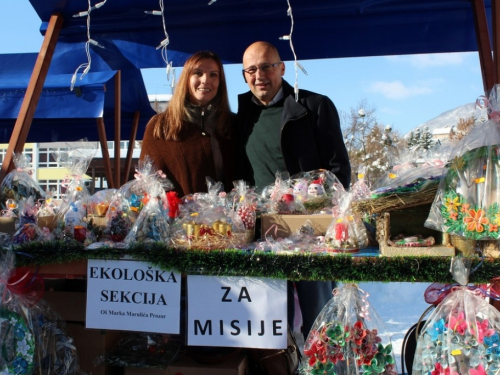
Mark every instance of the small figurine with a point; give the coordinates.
(300, 190)
(316, 189)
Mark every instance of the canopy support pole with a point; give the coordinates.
(105, 153)
(33, 91)
(495, 15)
(484, 45)
(130, 151)
(118, 111)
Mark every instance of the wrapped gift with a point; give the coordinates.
(467, 203)
(76, 159)
(133, 196)
(286, 199)
(461, 336)
(19, 184)
(347, 232)
(315, 189)
(206, 222)
(152, 223)
(348, 337)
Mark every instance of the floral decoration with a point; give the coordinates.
(333, 343)
(18, 345)
(458, 341)
(468, 203)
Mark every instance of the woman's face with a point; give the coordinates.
(204, 82)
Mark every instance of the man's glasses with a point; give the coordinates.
(264, 68)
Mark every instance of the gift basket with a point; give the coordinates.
(467, 203)
(8, 217)
(28, 230)
(315, 189)
(47, 213)
(461, 336)
(19, 184)
(347, 232)
(34, 336)
(152, 223)
(207, 221)
(286, 199)
(149, 185)
(76, 159)
(348, 337)
(99, 205)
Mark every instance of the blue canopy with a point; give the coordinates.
(62, 114)
(322, 28)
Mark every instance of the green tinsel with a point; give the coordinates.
(343, 268)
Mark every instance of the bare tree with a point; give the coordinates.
(370, 145)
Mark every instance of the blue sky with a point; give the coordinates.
(405, 91)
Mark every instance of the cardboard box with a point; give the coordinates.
(8, 225)
(71, 306)
(282, 226)
(410, 222)
(187, 366)
(90, 345)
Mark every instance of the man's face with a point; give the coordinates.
(264, 80)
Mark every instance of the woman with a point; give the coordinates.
(190, 140)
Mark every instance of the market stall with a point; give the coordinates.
(131, 35)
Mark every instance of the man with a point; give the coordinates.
(277, 133)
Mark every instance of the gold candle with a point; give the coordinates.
(196, 230)
(215, 225)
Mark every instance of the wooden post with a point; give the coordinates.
(484, 45)
(130, 151)
(118, 112)
(33, 91)
(495, 15)
(105, 153)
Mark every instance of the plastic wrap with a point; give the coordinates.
(467, 203)
(47, 213)
(348, 337)
(127, 203)
(206, 221)
(100, 201)
(284, 198)
(321, 187)
(144, 350)
(33, 334)
(19, 184)
(347, 232)
(152, 223)
(461, 336)
(76, 160)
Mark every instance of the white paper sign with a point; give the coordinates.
(132, 296)
(237, 312)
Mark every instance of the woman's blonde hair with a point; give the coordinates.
(170, 124)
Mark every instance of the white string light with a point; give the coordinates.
(86, 13)
(296, 63)
(211, 2)
(170, 71)
(86, 66)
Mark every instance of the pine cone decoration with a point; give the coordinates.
(279, 207)
(247, 216)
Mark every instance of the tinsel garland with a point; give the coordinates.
(343, 268)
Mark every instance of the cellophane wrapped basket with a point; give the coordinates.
(348, 338)
(467, 202)
(461, 336)
(19, 184)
